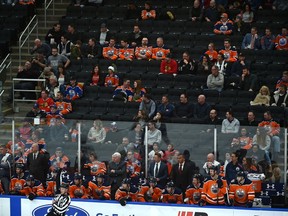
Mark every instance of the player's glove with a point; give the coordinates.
(31, 196)
(249, 204)
(129, 199)
(201, 203)
(123, 202)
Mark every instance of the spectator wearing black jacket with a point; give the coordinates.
(184, 109)
(248, 81)
(187, 65)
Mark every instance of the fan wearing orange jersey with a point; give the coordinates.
(110, 52)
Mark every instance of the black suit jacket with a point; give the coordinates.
(184, 178)
(38, 167)
(162, 173)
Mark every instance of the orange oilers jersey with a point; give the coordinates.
(281, 42)
(126, 53)
(241, 194)
(159, 52)
(62, 162)
(212, 194)
(134, 168)
(271, 126)
(229, 55)
(132, 193)
(110, 53)
(212, 55)
(176, 197)
(111, 80)
(17, 183)
(37, 189)
(147, 51)
(51, 188)
(97, 167)
(145, 195)
(78, 191)
(193, 194)
(64, 107)
(94, 188)
(151, 14)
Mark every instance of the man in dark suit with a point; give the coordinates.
(159, 170)
(116, 173)
(37, 164)
(182, 173)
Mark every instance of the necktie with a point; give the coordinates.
(156, 170)
(34, 156)
(180, 168)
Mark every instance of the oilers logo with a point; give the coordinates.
(131, 169)
(223, 28)
(159, 54)
(72, 93)
(94, 168)
(78, 193)
(282, 41)
(143, 51)
(126, 54)
(18, 186)
(214, 189)
(196, 196)
(110, 52)
(240, 193)
(226, 55)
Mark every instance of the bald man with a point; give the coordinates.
(210, 162)
(202, 108)
(41, 48)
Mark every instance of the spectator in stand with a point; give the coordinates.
(210, 161)
(168, 65)
(166, 109)
(153, 135)
(240, 28)
(202, 108)
(248, 165)
(222, 64)
(215, 81)
(38, 63)
(139, 91)
(187, 65)
(267, 40)
(124, 92)
(250, 121)
(211, 14)
(184, 109)
(123, 147)
(132, 12)
(59, 160)
(76, 52)
(204, 65)
(126, 53)
(230, 124)
(155, 150)
(237, 67)
(72, 34)
(148, 13)
(262, 98)
(6, 167)
(104, 35)
(53, 87)
(44, 102)
(212, 120)
(36, 112)
(281, 41)
(248, 81)
(283, 80)
(26, 129)
(92, 50)
(159, 170)
(53, 35)
(263, 142)
(148, 105)
(141, 118)
(280, 97)
(40, 47)
(111, 80)
(196, 12)
(65, 46)
(56, 59)
(143, 52)
(63, 105)
(161, 126)
(110, 52)
(53, 115)
(95, 76)
(135, 37)
(280, 5)
(160, 51)
(97, 133)
(247, 14)
(116, 172)
(74, 90)
(273, 130)
(243, 141)
(224, 26)
(251, 40)
(63, 76)
(232, 168)
(229, 52)
(211, 52)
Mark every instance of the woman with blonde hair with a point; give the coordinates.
(262, 98)
(97, 133)
(139, 91)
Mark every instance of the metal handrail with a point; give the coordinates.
(21, 44)
(5, 65)
(24, 90)
(46, 6)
